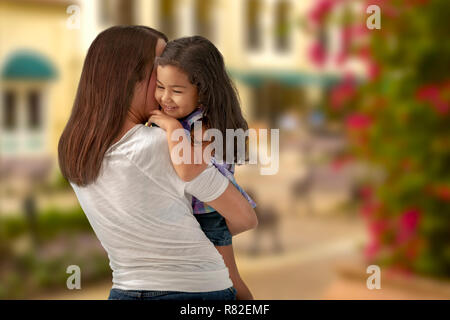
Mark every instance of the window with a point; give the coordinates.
(167, 17)
(203, 21)
(114, 12)
(34, 111)
(254, 40)
(282, 25)
(107, 12)
(9, 110)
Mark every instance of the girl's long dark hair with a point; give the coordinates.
(204, 65)
(115, 62)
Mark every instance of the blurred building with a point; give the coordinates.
(263, 41)
(40, 64)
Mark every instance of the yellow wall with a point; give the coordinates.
(42, 28)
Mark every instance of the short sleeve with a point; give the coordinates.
(208, 185)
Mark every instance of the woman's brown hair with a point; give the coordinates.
(116, 61)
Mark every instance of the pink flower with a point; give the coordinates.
(365, 53)
(433, 94)
(339, 162)
(346, 35)
(377, 227)
(408, 225)
(346, 38)
(427, 92)
(321, 9)
(360, 30)
(369, 207)
(367, 210)
(372, 249)
(410, 219)
(358, 121)
(442, 107)
(342, 93)
(317, 54)
(373, 70)
(341, 57)
(366, 192)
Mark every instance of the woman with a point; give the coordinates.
(121, 173)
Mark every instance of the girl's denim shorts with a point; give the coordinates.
(118, 294)
(215, 228)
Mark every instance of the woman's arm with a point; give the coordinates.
(185, 165)
(232, 205)
(190, 169)
(216, 190)
(236, 210)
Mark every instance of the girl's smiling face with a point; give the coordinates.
(174, 93)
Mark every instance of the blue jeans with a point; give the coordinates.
(118, 294)
(215, 228)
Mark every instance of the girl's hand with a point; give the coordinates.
(163, 120)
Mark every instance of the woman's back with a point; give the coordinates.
(140, 211)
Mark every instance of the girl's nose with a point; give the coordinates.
(166, 97)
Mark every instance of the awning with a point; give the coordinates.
(26, 65)
(288, 78)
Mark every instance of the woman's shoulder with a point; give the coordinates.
(137, 139)
(148, 136)
(144, 146)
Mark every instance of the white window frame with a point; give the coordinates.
(20, 140)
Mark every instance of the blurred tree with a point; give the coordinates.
(399, 119)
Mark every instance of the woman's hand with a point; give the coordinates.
(164, 121)
(186, 170)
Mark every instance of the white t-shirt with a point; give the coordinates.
(141, 212)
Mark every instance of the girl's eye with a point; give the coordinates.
(159, 87)
(177, 91)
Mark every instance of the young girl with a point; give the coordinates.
(192, 85)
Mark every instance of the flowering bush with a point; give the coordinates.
(399, 119)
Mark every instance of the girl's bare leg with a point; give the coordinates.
(243, 292)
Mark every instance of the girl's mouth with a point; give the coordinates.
(167, 108)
